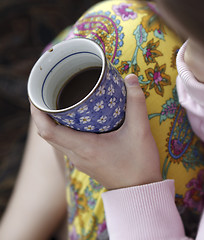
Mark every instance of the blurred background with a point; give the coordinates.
(27, 26)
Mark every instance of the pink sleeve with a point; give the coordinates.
(144, 212)
(191, 94)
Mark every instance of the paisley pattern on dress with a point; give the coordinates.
(135, 40)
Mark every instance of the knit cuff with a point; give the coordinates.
(143, 212)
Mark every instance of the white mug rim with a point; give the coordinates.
(54, 111)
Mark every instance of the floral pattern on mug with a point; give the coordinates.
(106, 104)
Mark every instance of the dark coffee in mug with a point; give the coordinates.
(78, 86)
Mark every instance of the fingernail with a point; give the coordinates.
(131, 80)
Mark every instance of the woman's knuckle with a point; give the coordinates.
(46, 134)
(138, 95)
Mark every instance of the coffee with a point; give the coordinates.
(77, 87)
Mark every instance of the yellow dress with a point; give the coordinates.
(136, 41)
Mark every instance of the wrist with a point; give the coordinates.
(137, 181)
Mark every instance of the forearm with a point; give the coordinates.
(38, 203)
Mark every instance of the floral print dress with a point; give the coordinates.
(136, 40)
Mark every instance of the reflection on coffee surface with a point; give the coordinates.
(77, 87)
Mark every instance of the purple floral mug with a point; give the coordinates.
(78, 87)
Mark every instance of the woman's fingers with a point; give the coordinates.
(136, 111)
(62, 136)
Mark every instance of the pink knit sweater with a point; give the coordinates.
(149, 212)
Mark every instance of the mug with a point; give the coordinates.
(78, 87)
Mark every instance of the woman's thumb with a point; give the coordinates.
(136, 111)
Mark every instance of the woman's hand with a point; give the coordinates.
(122, 158)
